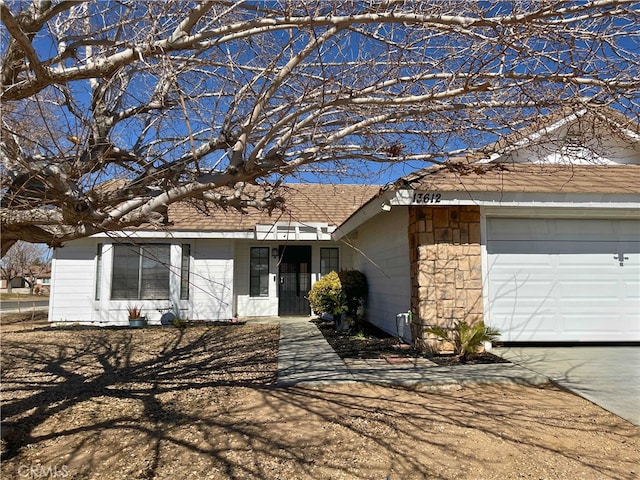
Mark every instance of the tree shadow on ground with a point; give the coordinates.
(49, 372)
(202, 402)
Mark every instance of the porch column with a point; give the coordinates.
(446, 270)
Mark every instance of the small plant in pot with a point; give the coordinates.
(135, 316)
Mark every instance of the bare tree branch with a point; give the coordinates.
(114, 110)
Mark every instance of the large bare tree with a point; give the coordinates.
(113, 110)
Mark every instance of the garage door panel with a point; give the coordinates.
(587, 289)
(549, 327)
(531, 307)
(561, 280)
(592, 324)
(521, 328)
(572, 249)
(574, 229)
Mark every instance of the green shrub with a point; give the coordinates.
(327, 295)
(338, 293)
(355, 287)
(466, 339)
(179, 322)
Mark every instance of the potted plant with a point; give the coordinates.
(135, 316)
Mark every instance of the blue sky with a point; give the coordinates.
(345, 49)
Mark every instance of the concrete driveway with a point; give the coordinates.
(608, 376)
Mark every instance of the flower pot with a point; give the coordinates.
(137, 322)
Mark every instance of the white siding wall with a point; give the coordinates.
(384, 258)
(73, 282)
(212, 280)
(219, 270)
(74, 285)
(247, 306)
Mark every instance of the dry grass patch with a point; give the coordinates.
(201, 403)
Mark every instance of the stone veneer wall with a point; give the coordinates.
(446, 269)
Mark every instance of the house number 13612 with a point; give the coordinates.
(426, 197)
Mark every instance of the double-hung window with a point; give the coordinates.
(98, 271)
(259, 272)
(140, 272)
(185, 268)
(329, 260)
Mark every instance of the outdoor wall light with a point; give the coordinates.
(275, 253)
(385, 207)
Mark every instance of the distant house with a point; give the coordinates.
(43, 280)
(42, 277)
(539, 238)
(16, 282)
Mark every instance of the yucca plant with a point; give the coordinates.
(135, 311)
(466, 339)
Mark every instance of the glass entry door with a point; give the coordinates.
(294, 278)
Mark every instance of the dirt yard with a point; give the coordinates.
(200, 403)
(371, 342)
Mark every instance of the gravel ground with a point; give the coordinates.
(371, 342)
(201, 403)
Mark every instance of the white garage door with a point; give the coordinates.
(564, 279)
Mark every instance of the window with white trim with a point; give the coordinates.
(140, 272)
(98, 271)
(329, 260)
(259, 272)
(184, 271)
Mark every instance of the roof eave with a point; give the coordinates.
(558, 200)
(380, 203)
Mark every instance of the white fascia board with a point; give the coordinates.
(176, 234)
(533, 137)
(630, 133)
(294, 231)
(366, 212)
(515, 199)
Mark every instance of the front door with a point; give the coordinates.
(294, 280)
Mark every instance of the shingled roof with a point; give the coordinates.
(474, 173)
(525, 178)
(305, 203)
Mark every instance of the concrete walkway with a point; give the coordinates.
(305, 358)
